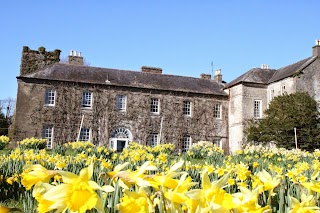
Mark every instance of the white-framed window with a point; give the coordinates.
(271, 94)
(155, 105)
(50, 96)
(257, 111)
(186, 108)
(121, 102)
(47, 133)
(217, 142)
(85, 134)
(185, 143)
(86, 99)
(153, 139)
(217, 111)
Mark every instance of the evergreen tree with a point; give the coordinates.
(3, 125)
(286, 112)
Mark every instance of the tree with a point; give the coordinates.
(3, 125)
(286, 112)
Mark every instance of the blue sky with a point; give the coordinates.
(182, 37)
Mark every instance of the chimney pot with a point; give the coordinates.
(75, 58)
(316, 49)
(218, 76)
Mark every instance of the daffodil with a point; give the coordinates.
(4, 209)
(307, 204)
(136, 202)
(76, 193)
(211, 197)
(35, 174)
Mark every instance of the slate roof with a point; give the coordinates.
(289, 70)
(255, 75)
(126, 78)
(267, 76)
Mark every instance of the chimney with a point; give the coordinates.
(205, 76)
(316, 49)
(154, 70)
(218, 76)
(264, 66)
(33, 60)
(75, 58)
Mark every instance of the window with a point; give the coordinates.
(217, 111)
(153, 139)
(186, 109)
(186, 143)
(154, 105)
(217, 142)
(283, 89)
(47, 133)
(121, 102)
(84, 134)
(86, 99)
(50, 97)
(257, 113)
(271, 94)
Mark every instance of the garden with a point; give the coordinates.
(82, 177)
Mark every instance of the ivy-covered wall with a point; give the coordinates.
(65, 116)
(33, 60)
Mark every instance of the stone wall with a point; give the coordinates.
(33, 60)
(309, 80)
(65, 116)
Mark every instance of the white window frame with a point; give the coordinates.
(271, 94)
(186, 143)
(121, 103)
(217, 111)
(87, 99)
(85, 134)
(47, 133)
(187, 108)
(153, 139)
(217, 142)
(155, 106)
(50, 97)
(257, 109)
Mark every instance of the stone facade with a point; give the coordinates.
(104, 120)
(263, 84)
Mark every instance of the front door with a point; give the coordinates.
(121, 144)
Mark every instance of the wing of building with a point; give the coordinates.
(70, 101)
(251, 93)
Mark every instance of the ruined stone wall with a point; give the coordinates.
(33, 60)
(65, 116)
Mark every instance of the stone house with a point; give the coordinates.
(70, 101)
(250, 93)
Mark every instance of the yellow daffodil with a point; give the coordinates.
(211, 197)
(307, 204)
(35, 174)
(136, 202)
(4, 209)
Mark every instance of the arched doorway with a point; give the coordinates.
(120, 137)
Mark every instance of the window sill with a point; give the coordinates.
(49, 105)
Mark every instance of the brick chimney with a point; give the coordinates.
(154, 70)
(316, 49)
(218, 76)
(75, 58)
(205, 76)
(33, 60)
